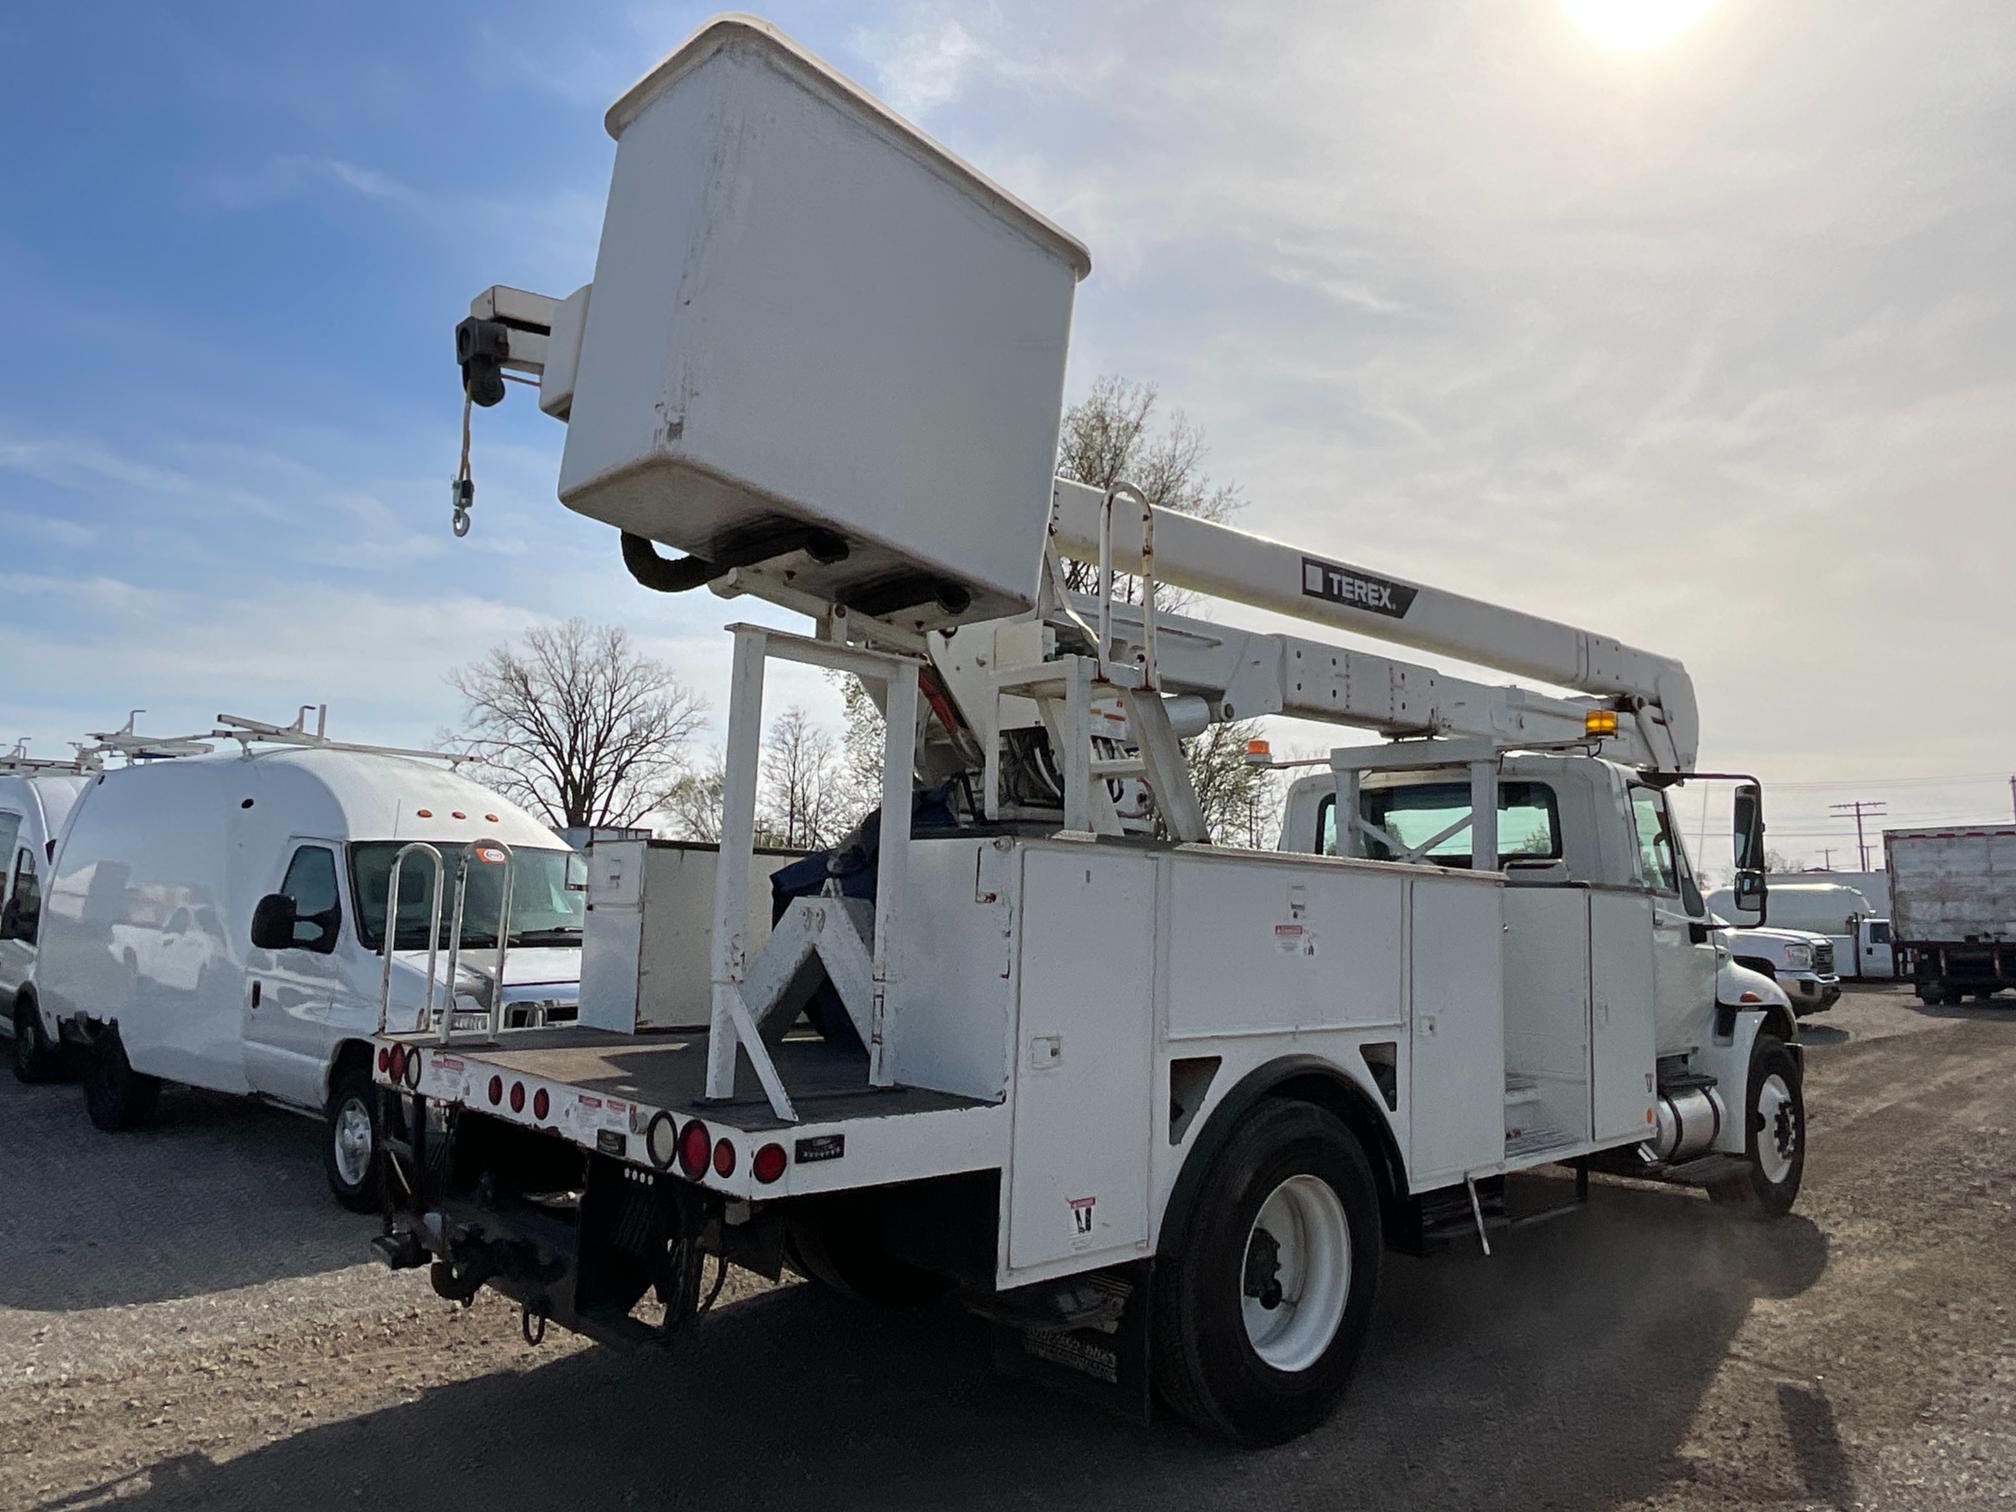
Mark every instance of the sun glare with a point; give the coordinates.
(1634, 25)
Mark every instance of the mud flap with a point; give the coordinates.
(1097, 1347)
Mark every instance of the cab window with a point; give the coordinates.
(1529, 822)
(311, 883)
(1658, 865)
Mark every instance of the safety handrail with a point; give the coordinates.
(433, 933)
(1147, 575)
(475, 853)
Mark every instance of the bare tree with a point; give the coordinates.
(801, 806)
(576, 724)
(1110, 436)
(693, 807)
(1241, 802)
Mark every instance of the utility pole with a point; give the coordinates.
(1826, 858)
(2012, 796)
(1861, 807)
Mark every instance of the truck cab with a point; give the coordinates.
(1565, 824)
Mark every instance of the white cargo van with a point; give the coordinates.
(218, 921)
(34, 801)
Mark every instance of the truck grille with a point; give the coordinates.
(1823, 957)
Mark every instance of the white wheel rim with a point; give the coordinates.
(1778, 1133)
(353, 1142)
(1293, 1298)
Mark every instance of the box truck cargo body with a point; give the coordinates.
(1953, 891)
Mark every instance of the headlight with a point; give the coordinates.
(1800, 957)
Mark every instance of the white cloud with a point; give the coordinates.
(921, 63)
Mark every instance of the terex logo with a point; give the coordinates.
(1360, 590)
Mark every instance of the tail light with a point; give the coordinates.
(384, 1060)
(496, 1090)
(395, 1063)
(724, 1158)
(696, 1147)
(517, 1097)
(414, 1063)
(768, 1165)
(541, 1103)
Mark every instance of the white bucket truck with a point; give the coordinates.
(220, 920)
(1154, 1105)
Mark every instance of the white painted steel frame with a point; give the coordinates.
(733, 1026)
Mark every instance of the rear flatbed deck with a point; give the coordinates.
(668, 1069)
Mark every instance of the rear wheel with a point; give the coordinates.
(116, 1096)
(353, 1142)
(1775, 1138)
(35, 1059)
(1264, 1289)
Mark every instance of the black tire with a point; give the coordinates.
(354, 1108)
(35, 1059)
(1757, 1190)
(1207, 1365)
(116, 1097)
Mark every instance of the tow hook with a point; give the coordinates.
(532, 1320)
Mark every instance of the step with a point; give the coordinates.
(1536, 1141)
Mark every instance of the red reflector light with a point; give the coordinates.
(490, 818)
(458, 814)
(517, 1097)
(384, 1059)
(696, 1147)
(540, 1103)
(768, 1164)
(425, 813)
(724, 1158)
(395, 1063)
(496, 1090)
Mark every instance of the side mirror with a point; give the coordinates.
(1748, 890)
(273, 920)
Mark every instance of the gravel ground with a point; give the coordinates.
(184, 1321)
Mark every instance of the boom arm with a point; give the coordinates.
(1225, 563)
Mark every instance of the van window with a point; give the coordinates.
(1529, 821)
(1657, 867)
(10, 830)
(318, 909)
(24, 902)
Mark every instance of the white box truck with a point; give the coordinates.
(219, 921)
(1157, 1107)
(1953, 901)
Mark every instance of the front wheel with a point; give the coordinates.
(116, 1096)
(353, 1142)
(35, 1059)
(1775, 1139)
(1264, 1287)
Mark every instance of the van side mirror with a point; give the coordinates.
(273, 920)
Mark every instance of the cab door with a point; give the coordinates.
(290, 992)
(1683, 949)
(15, 952)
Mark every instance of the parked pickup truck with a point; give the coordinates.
(1800, 962)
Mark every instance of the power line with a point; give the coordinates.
(1868, 782)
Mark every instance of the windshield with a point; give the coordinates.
(548, 896)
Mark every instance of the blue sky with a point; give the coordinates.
(1706, 347)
